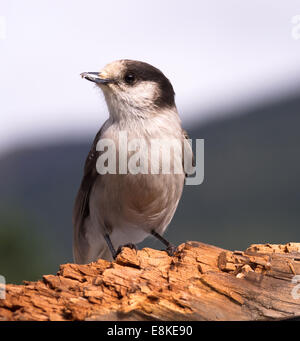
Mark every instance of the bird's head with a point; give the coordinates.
(133, 88)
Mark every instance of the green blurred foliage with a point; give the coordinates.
(21, 249)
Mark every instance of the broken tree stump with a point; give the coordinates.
(201, 282)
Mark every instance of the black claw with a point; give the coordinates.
(171, 250)
(130, 245)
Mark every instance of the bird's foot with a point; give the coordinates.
(171, 250)
(130, 245)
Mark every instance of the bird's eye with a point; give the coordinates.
(129, 78)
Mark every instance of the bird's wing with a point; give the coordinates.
(187, 149)
(81, 207)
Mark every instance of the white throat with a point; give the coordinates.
(136, 102)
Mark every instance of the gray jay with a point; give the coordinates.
(116, 209)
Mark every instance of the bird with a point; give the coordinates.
(112, 211)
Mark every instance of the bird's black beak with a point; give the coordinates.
(95, 77)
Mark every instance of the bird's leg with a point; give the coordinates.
(171, 249)
(112, 249)
(110, 246)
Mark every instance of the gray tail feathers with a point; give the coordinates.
(84, 253)
(105, 254)
(80, 249)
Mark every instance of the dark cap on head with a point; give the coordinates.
(146, 72)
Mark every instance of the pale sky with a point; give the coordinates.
(217, 54)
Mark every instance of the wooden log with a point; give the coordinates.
(201, 282)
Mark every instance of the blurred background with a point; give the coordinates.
(236, 72)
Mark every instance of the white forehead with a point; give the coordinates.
(113, 69)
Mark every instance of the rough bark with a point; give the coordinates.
(201, 282)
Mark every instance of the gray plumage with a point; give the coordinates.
(127, 207)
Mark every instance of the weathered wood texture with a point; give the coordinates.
(201, 282)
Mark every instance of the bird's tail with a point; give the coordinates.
(84, 252)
